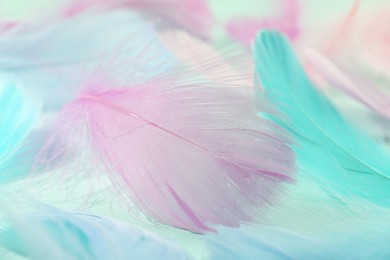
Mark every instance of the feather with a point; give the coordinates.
(191, 15)
(343, 29)
(167, 141)
(55, 58)
(371, 43)
(357, 87)
(64, 235)
(18, 117)
(275, 243)
(202, 57)
(342, 158)
(267, 243)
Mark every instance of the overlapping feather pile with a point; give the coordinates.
(158, 130)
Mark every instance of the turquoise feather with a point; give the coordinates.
(344, 160)
(17, 118)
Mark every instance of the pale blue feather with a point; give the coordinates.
(55, 234)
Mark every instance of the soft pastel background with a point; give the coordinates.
(316, 16)
(317, 20)
(312, 10)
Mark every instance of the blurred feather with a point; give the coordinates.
(202, 57)
(54, 59)
(371, 42)
(192, 15)
(19, 114)
(342, 158)
(244, 29)
(64, 235)
(357, 87)
(343, 29)
(268, 243)
(275, 243)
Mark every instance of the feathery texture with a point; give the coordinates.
(270, 243)
(156, 126)
(275, 243)
(166, 143)
(191, 15)
(18, 116)
(56, 234)
(344, 159)
(201, 57)
(53, 60)
(357, 87)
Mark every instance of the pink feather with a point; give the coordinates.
(189, 155)
(373, 40)
(202, 57)
(342, 31)
(357, 87)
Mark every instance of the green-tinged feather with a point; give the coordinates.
(342, 158)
